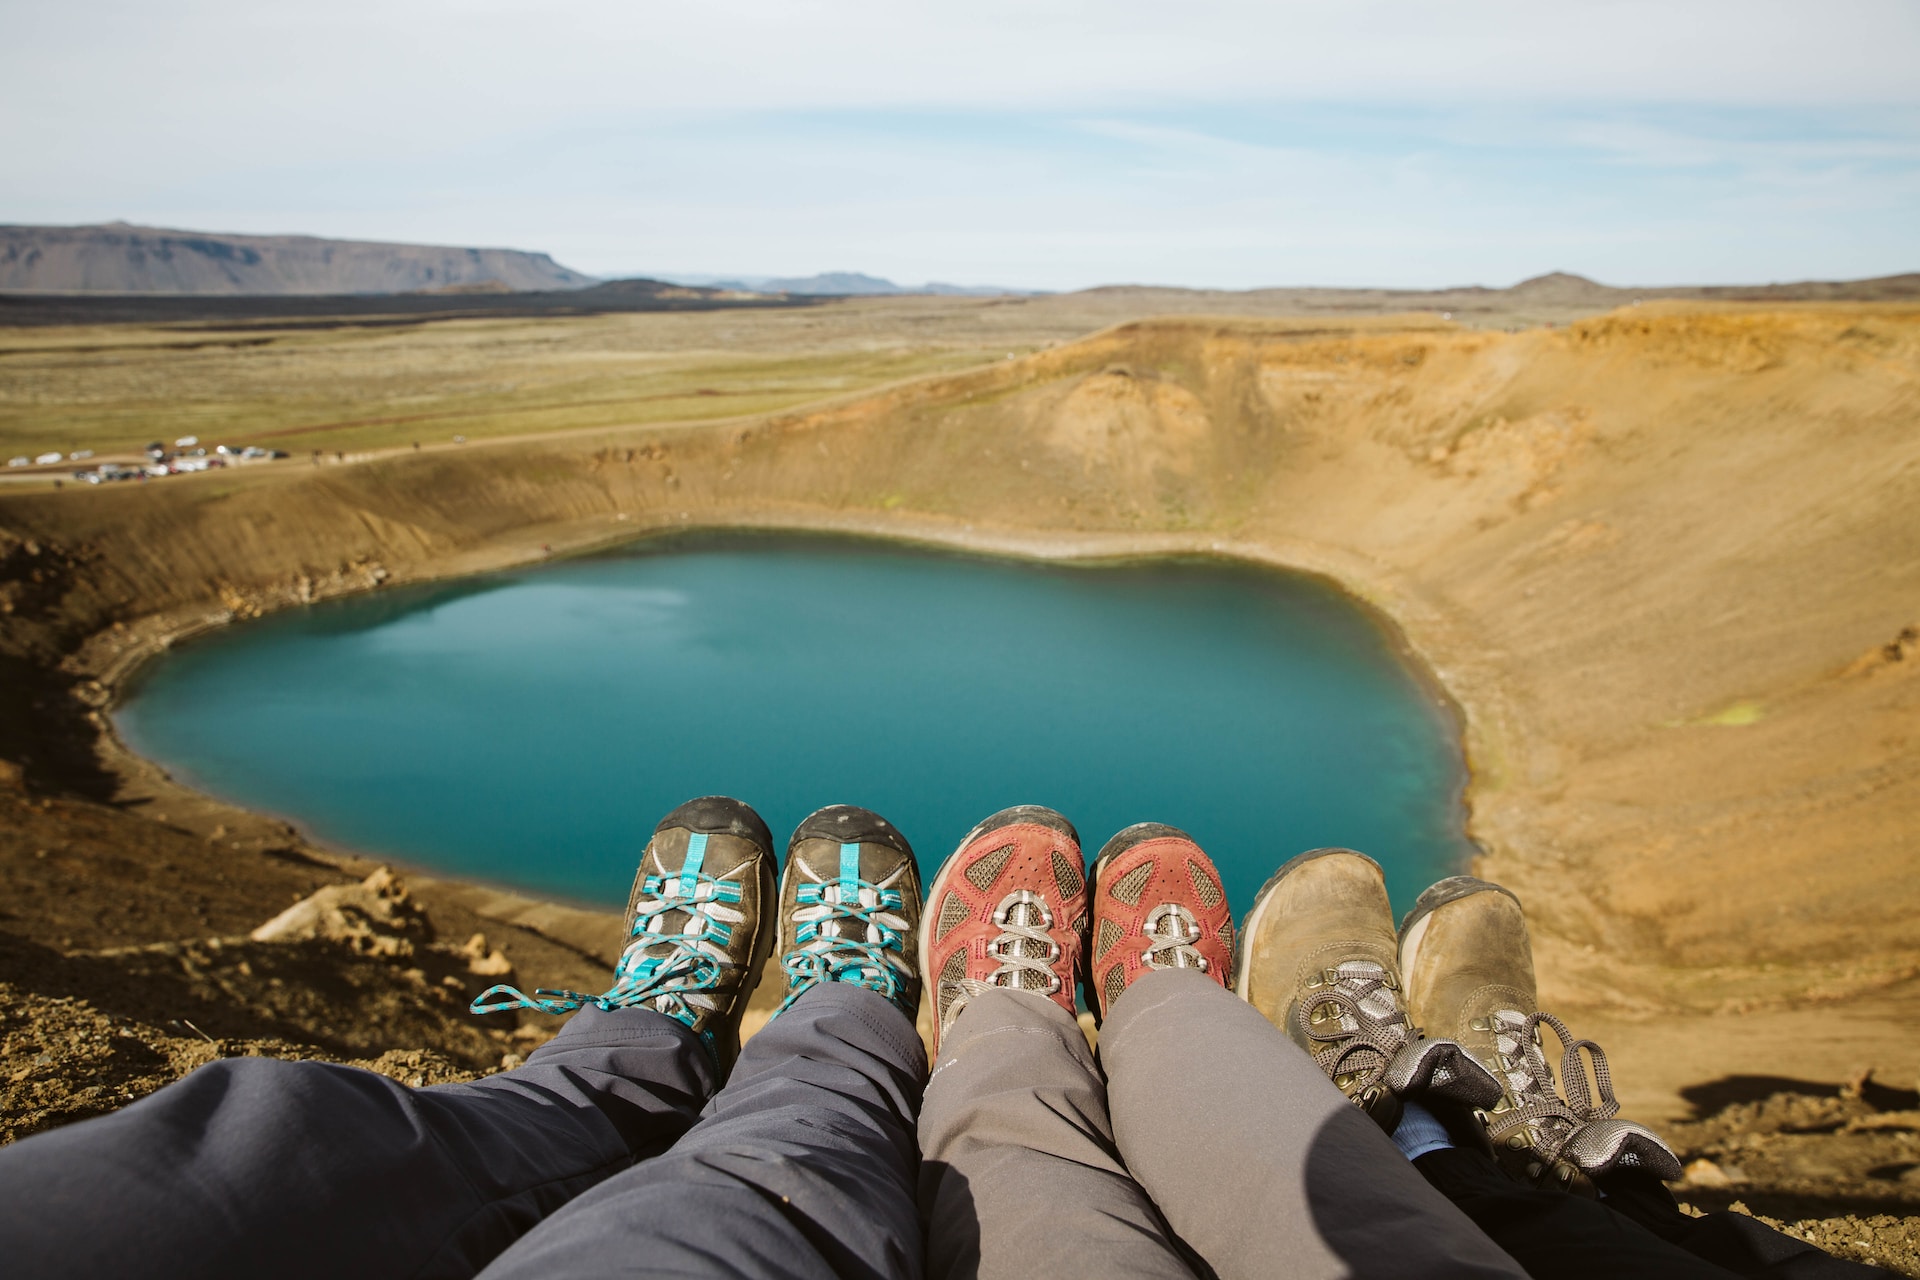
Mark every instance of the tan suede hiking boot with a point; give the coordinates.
(1317, 957)
(1469, 966)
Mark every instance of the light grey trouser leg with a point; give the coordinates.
(1256, 1159)
(802, 1167)
(1019, 1176)
(254, 1167)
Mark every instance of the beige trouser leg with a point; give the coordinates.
(1020, 1176)
(1257, 1161)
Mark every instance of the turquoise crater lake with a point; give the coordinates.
(528, 728)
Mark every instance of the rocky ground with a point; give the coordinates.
(235, 944)
(1837, 1165)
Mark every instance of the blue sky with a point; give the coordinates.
(1045, 144)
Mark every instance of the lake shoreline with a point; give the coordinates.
(128, 670)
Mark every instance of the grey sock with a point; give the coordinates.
(1419, 1132)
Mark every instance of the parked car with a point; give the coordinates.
(156, 450)
(21, 461)
(186, 442)
(193, 463)
(80, 455)
(47, 458)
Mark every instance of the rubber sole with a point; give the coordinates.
(1250, 922)
(1129, 837)
(1452, 889)
(717, 816)
(1431, 899)
(850, 824)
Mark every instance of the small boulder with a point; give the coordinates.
(376, 917)
(484, 961)
(1704, 1173)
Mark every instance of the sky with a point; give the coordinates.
(1044, 144)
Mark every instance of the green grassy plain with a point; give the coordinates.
(356, 388)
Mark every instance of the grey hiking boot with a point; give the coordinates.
(697, 929)
(1317, 957)
(1469, 967)
(850, 907)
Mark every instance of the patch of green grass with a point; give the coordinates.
(1736, 714)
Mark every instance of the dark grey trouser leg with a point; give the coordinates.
(251, 1166)
(1256, 1159)
(1019, 1175)
(803, 1166)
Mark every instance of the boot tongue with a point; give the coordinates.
(1029, 915)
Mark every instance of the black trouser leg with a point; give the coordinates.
(1732, 1240)
(1556, 1236)
(298, 1170)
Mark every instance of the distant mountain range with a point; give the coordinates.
(841, 284)
(57, 274)
(118, 258)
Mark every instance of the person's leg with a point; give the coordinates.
(313, 1169)
(1742, 1244)
(1247, 1148)
(1253, 1155)
(1020, 1176)
(1468, 961)
(1556, 1236)
(255, 1166)
(804, 1164)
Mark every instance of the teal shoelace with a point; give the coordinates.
(850, 931)
(679, 971)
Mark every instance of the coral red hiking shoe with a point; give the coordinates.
(1008, 909)
(1157, 904)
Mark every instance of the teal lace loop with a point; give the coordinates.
(678, 972)
(849, 930)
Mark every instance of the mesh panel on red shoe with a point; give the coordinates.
(987, 868)
(953, 913)
(1204, 887)
(1129, 887)
(1066, 875)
